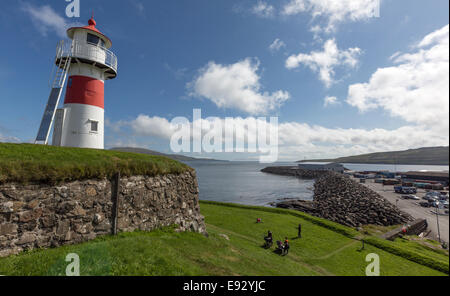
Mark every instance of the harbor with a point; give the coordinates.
(341, 195)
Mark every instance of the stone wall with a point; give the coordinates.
(42, 216)
(414, 228)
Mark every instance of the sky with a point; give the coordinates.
(342, 77)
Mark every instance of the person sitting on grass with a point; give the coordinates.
(268, 239)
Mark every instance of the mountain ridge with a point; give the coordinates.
(178, 157)
(420, 156)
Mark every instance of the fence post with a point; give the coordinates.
(115, 200)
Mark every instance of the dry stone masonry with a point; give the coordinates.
(42, 216)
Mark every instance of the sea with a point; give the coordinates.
(243, 182)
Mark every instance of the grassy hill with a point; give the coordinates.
(421, 156)
(25, 163)
(178, 157)
(234, 248)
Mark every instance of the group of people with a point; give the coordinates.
(281, 246)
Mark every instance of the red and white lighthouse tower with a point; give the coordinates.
(88, 63)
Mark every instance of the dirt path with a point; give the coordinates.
(337, 250)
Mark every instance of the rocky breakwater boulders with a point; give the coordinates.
(299, 205)
(293, 171)
(347, 202)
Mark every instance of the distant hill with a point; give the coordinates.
(151, 152)
(420, 156)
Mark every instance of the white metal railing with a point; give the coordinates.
(77, 49)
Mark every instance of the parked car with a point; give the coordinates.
(433, 193)
(445, 204)
(430, 198)
(410, 190)
(443, 197)
(410, 196)
(405, 190)
(435, 204)
(424, 204)
(413, 197)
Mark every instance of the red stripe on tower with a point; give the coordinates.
(85, 90)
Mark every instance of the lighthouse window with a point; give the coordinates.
(94, 126)
(92, 39)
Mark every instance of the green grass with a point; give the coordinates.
(26, 163)
(321, 250)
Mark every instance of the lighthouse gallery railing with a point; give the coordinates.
(88, 51)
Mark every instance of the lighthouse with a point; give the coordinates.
(85, 62)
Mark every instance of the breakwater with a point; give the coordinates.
(293, 171)
(342, 200)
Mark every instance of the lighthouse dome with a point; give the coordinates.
(91, 28)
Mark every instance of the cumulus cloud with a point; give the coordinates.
(8, 139)
(263, 9)
(156, 126)
(47, 20)
(276, 45)
(296, 140)
(415, 89)
(334, 12)
(328, 101)
(236, 86)
(324, 62)
(439, 36)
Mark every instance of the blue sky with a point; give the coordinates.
(340, 79)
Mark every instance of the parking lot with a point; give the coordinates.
(413, 208)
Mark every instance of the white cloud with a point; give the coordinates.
(8, 139)
(439, 36)
(236, 86)
(328, 101)
(179, 73)
(333, 11)
(298, 140)
(46, 19)
(263, 9)
(276, 45)
(324, 62)
(139, 6)
(156, 126)
(416, 89)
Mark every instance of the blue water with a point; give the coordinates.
(242, 182)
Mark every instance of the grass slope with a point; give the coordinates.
(421, 156)
(321, 251)
(26, 163)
